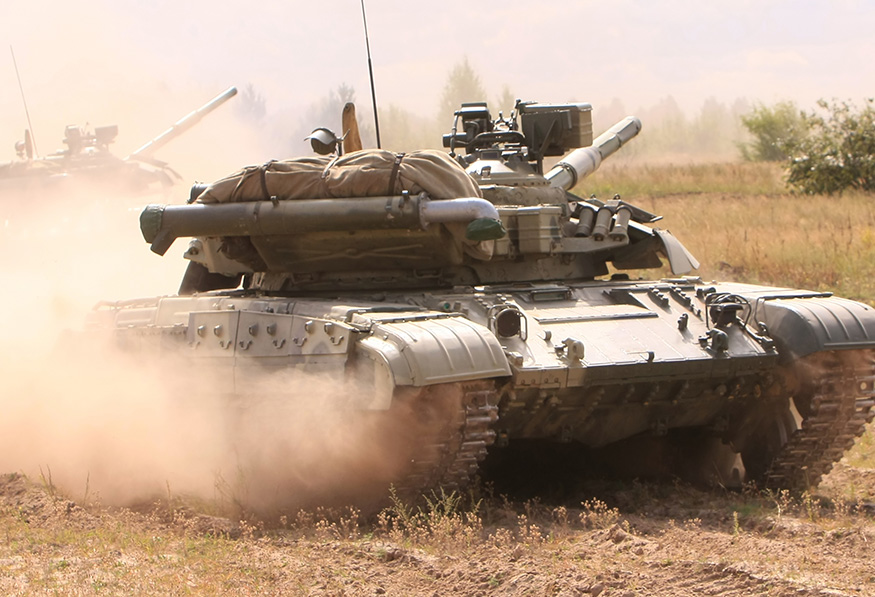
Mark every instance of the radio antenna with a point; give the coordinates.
(26, 113)
(371, 72)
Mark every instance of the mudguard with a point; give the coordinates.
(808, 324)
(423, 351)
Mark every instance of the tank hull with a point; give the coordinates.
(592, 362)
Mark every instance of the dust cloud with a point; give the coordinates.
(132, 428)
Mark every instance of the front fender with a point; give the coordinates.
(807, 324)
(423, 351)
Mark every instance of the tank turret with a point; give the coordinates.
(87, 160)
(501, 221)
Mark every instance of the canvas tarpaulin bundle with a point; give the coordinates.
(366, 173)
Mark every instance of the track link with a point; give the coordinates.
(454, 456)
(841, 406)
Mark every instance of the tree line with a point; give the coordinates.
(828, 149)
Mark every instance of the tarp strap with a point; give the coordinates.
(263, 177)
(333, 161)
(394, 175)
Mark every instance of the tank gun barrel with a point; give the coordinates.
(582, 162)
(182, 125)
(162, 224)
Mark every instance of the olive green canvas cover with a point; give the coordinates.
(366, 173)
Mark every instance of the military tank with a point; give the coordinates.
(479, 304)
(86, 159)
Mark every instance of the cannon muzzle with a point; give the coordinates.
(582, 162)
(182, 125)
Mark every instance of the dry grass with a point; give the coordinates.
(794, 241)
(752, 230)
(662, 537)
(635, 181)
(862, 455)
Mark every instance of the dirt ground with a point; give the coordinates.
(613, 539)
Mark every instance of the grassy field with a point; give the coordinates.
(633, 180)
(742, 225)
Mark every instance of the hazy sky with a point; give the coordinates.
(143, 64)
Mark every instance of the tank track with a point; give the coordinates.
(841, 406)
(452, 461)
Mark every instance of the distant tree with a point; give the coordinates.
(402, 130)
(251, 105)
(504, 103)
(327, 113)
(668, 132)
(838, 151)
(740, 107)
(711, 133)
(463, 85)
(774, 130)
(604, 116)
